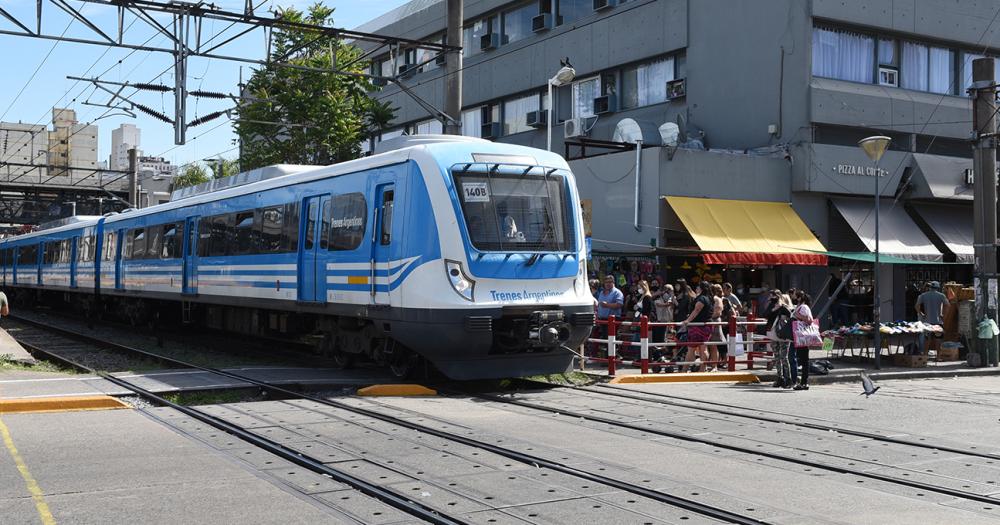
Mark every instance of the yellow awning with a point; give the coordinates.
(736, 226)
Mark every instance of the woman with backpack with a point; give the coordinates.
(803, 314)
(778, 315)
(719, 314)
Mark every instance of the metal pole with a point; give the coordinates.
(638, 178)
(133, 178)
(984, 205)
(548, 119)
(453, 69)
(877, 299)
(180, 80)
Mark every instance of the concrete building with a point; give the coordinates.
(126, 137)
(72, 144)
(22, 144)
(156, 176)
(770, 99)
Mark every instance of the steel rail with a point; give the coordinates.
(662, 497)
(384, 495)
(812, 426)
(736, 448)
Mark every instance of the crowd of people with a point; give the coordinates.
(698, 314)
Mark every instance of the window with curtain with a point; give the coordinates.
(472, 122)
(584, 93)
(914, 67)
(429, 127)
(515, 113)
(887, 52)
(423, 55)
(646, 84)
(926, 68)
(517, 23)
(843, 55)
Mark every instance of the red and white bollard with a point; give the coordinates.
(731, 345)
(644, 344)
(612, 350)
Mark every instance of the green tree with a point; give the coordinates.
(322, 117)
(191, 175)
(230, 167)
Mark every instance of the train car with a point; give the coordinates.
(464, 252)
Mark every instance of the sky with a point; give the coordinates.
(35, 71)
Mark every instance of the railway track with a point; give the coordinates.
(396, 500)
(801, 456)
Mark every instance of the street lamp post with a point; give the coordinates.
(565, 75)
(875, 147)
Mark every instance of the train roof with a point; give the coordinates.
(399, 151)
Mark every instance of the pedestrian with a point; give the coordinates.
(803, 314)
(734, 301)
(685, 299)
(777, 310)
(763, 298)
(665, 304)
(4, 305)
(609, 302)
(716, 351)
(697, 336)
(930, 310)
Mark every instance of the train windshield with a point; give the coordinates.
(514, 210)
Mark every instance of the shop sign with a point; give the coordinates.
(854, 169)
(970, 175)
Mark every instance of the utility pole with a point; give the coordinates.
(984, 127)
(453, 69)
(133, 178)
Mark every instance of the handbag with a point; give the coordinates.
(806, 334)
(783, 328)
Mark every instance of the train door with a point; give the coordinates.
(74, 247)
(119, 259)
(382, 243)
(189, 262)
(312, 255)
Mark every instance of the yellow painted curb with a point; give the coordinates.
(396, 390)
(694, 377)
(59, 404)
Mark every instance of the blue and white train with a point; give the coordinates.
(464, 252)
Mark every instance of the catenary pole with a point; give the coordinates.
(984, 126)
(453, 69)
(133, 177)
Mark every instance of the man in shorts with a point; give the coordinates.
(930, 310)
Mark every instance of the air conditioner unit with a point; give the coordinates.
(605, 104)
(542, 22)
(604, 4)
(407, 70)
(490, 41)
(538, 119)
(574, 127)
(888, 76)
(491, 130)
(676, 88)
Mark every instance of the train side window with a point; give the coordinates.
(108, 252)
(135, 244)
(349, 216)
(154, 236)
(173, 239)
(310, 225)
(244, 233)
(386, 232)
(204, 236)
(66, 251)
(221, 235)
(28, 255)
(324, 230)
(291, 235)
(271, 224)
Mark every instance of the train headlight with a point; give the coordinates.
(460, 282)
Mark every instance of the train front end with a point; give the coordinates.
(513, 262)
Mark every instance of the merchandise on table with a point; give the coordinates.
(895, 328)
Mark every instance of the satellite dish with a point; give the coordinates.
(670, 134)
(627, 131)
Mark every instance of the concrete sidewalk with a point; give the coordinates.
(13, 350)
